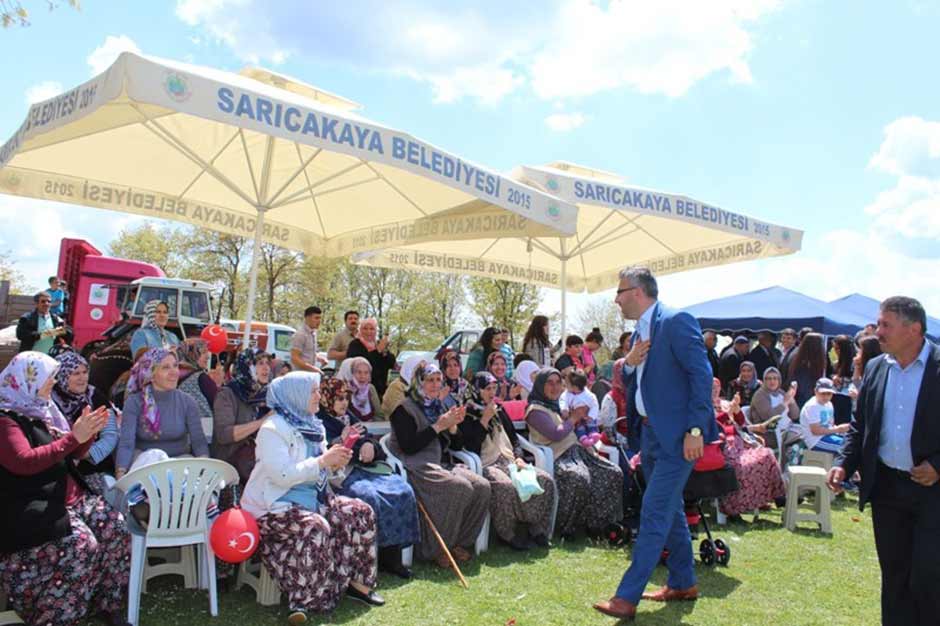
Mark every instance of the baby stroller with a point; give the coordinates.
(711, 478)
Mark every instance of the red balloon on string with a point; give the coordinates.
(216, 337)
(234, 536)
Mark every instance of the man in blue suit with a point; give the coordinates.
(669, 382)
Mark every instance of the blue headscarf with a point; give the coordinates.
(289, 397)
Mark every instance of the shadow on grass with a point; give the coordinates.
(712, 581)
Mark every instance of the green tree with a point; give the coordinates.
(504, 304)
(9, 272)
(13, 13)
(603, 314)
(277, 267)
(221, 259)
(166, 247)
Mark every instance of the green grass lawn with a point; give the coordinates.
(775, 578)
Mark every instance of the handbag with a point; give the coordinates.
(712, 458)
(526, 481)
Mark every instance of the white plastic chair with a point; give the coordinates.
(178, 491)
(545, 461)
(470, 460)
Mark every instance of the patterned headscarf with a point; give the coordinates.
(433, 407)
(618, 392)
(244, 381)
(191, 351)
(538, 397)
(505, 385)
(523, 374)
(472, 398)
(71, 404)
(331, 390)
(360, 393)
(457, 385)
(150, 317)
(754, 382)
(20, 382)
(289, 397)
(142, 380)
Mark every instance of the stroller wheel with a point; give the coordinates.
(723, 551)
(706, 552)
(617, 534)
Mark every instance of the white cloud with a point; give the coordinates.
(911, 147)
(43, 91)
(561, 48)
(107, 53)
(565, 122)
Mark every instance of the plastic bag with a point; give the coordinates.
(526, 482)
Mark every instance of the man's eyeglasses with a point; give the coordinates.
(625, 289)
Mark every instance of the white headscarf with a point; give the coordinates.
(409, 366)
(523, 374)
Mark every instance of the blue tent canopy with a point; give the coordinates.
(774, 309)
(866, 307)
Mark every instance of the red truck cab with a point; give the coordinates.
(97, 286)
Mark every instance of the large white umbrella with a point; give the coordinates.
(261, 155)
(618, 225)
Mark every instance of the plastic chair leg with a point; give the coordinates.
(138, 563)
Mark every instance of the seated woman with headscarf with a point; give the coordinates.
(590, 489)
(488, 432)
(157, 415)
(316, 546)
(64, 551)
(745, 385)
(454, 382)
(152, 332)
(371, 480)
(72, 395)
(760, 481)
(774, 413)
(496, 366)
(367, 344)
(364, 403)
(239, 412)
(456, 498)
(398, 388)
(195, 381)
(524, 375)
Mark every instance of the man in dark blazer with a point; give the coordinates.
(669, 382)
(894, 442)
(765, 353)
(27, 328)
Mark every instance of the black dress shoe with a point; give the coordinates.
(371, 598)
(401, 571)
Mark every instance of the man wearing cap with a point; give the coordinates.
(894, 443)
(731, 360)
(668, 381)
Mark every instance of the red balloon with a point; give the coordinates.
(216, 337)
(234, 536)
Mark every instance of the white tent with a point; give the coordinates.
(618, 225)
(261, 155)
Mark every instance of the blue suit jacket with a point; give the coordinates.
(677, 381)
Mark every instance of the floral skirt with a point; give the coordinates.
(759, 479)
(507, 509)
(312, 557)
(61, 581)
(590, 491)
(393, 501)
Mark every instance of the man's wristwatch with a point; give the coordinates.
(695, 431)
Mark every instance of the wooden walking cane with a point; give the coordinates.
(440, 541)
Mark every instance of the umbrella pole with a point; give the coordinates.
(564, 294)
(253, 278)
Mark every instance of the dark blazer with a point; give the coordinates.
(860, 451)
(677, 380)
(27, 328)
(762, 359)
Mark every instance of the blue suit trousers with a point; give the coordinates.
(662, 522)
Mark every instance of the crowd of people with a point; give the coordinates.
(305, 442)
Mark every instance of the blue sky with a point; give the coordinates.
(821, 115)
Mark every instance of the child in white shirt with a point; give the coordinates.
(579, 401)
(820, 432)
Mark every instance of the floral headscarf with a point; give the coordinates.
(244, 383)
(20, 382)
(71, 404)
(190, 352)
(360, 393)
(330, 391)
(289, 397)
(505, 385)
(754, 382)
(150, 318)
(142, 380)
(538, 397)
(457, 385)
(473, 399)
(433, 407)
